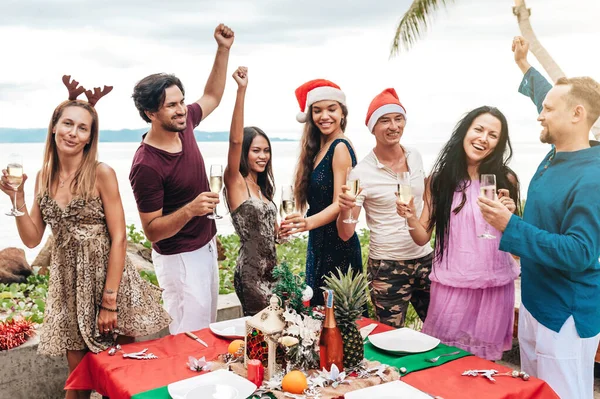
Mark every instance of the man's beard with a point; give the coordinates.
(173, 127)
(546, 137)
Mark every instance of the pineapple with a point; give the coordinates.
(350, 295)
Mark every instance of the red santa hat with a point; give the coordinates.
(386, 102)
(314, 91)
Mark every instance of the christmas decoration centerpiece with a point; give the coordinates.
(301, 340)
(300, 337)
(350, 293)
(262, 333)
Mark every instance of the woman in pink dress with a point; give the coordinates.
(472, 281)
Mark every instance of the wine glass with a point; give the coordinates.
(216, 184)
(487, 184)
(404, 193)
(288, 205)
(353, 183)
(15, 179)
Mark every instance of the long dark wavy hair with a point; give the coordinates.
(265, 179)
(310, 144)
(450, 175)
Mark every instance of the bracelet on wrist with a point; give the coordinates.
(109, 309)
(22, 206)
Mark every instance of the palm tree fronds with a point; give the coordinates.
(413, 22)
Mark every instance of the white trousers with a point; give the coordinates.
(190, 281)
(564, 360)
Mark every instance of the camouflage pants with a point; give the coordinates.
(393, 284)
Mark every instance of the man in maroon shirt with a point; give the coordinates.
(171, 190)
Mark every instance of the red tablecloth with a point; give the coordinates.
(117, 378)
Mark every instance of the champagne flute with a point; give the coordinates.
(487, 184)
(353, 183)
(404, 193)
(216, 184)
(288, 205)
(15, 179)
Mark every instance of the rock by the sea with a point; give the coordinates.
(13, 266)
(140, 256)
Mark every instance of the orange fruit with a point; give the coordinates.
(235, 346)
(294, 382)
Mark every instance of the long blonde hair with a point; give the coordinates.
(84, 181)
(310, 145)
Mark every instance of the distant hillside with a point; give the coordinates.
(10, 135)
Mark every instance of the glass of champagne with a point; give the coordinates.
(353, 183)
(15, 179)
(487, 184)
(404, 193)
(288, 205)
(216, 184)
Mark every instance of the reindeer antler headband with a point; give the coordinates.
(75, 90)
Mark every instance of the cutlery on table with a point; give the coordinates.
(435, 359)
(195, 338)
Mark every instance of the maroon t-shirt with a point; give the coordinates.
(161, 179)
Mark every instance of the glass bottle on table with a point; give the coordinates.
(331, 346)
(14, 176)
(216, 184)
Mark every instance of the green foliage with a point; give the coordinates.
(231, 246)
(293, 253)
(28, 299)
(137, 236)
(149, 276)
(413, 22)
(25, 299)
(289, 286)
(412, 319)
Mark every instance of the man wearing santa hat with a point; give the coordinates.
(398, 269)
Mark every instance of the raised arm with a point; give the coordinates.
(232, 177)
(215, 85)
(533, 85)
(30, 226)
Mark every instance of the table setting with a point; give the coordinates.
(143, 379)
(290, 350)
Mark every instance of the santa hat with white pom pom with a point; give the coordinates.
(314, 91)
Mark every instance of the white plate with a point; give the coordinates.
(234, 328)
(389, 390)
(404, 340)
(219, 384)
(213, 391)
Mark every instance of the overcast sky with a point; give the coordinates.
(462, 62)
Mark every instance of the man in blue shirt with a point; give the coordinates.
(558, 238)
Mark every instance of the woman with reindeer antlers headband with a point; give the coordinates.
(93, 286)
